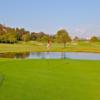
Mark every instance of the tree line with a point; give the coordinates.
(13, 35)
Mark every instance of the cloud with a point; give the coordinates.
(86, 31)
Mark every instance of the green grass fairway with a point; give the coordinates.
(33, 46)
(49, 80)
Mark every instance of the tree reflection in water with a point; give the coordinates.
(14, 55)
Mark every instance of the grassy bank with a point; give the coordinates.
(50, 80)
(41, 47)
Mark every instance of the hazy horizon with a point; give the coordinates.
(79, 18)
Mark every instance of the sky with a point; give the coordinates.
(79, 17)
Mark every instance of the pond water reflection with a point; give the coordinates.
(51, 55)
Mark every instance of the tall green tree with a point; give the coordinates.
(44, 39)
(62, 36)
(94, 39)
(26, 37)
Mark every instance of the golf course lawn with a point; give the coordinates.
(49, 79)
(42, 47)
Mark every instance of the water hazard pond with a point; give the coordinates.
(51, 55)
